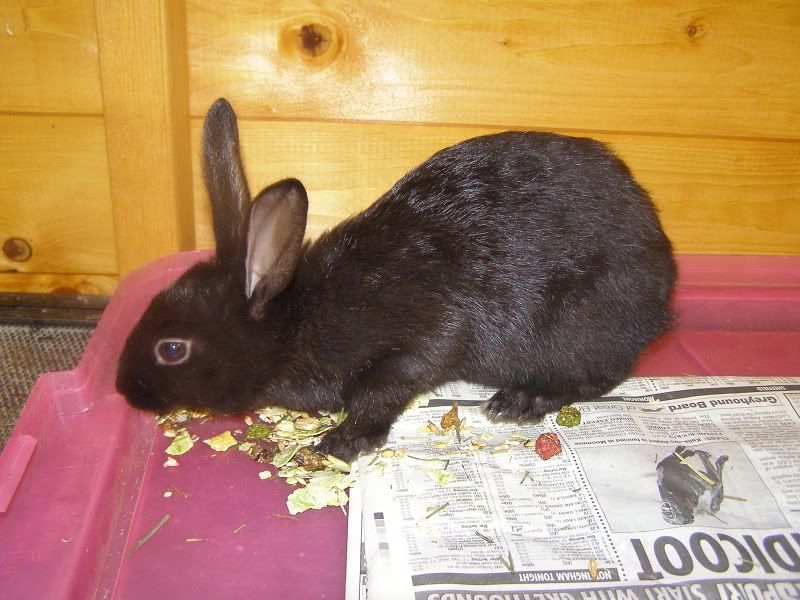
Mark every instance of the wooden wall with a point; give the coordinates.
(101, 105)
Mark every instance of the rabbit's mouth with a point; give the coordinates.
(140, 395)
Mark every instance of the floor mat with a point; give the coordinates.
(27, 351)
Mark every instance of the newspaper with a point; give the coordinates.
(669, 489)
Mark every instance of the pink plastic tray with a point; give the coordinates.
(81, 478)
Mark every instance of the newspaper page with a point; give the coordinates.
(668, 489)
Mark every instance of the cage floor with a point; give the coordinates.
(27, 351)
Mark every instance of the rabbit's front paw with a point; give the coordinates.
(341, 444)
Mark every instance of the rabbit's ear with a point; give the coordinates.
(225, 182)
(274, 241)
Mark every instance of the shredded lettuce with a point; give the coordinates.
(325, 488)
(221, 442)
(181, 444)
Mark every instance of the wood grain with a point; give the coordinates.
(717, 196)
(143, 65)
(59, 283)
(678, 66)
(54, 194)
(49, 54)
(702, 100)
(720, 196)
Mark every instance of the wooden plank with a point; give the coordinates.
(679, 66)
(721, 196)
(55, 308)
(145, 78)
(716, 196)
(54, 194)
(50, 283)
(49, 52)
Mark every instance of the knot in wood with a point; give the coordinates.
(17, 249)
(315, 39)
(695, 30)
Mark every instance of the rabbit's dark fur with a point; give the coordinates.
(531, 262)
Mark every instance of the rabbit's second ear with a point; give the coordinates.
(226, 183)
(274, 241)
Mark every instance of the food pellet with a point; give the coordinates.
(547, 446)
(568, 416)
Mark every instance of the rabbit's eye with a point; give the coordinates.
(172, 351)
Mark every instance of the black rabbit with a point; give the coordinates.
(531, 262)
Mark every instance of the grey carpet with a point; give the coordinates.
(27, 351)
